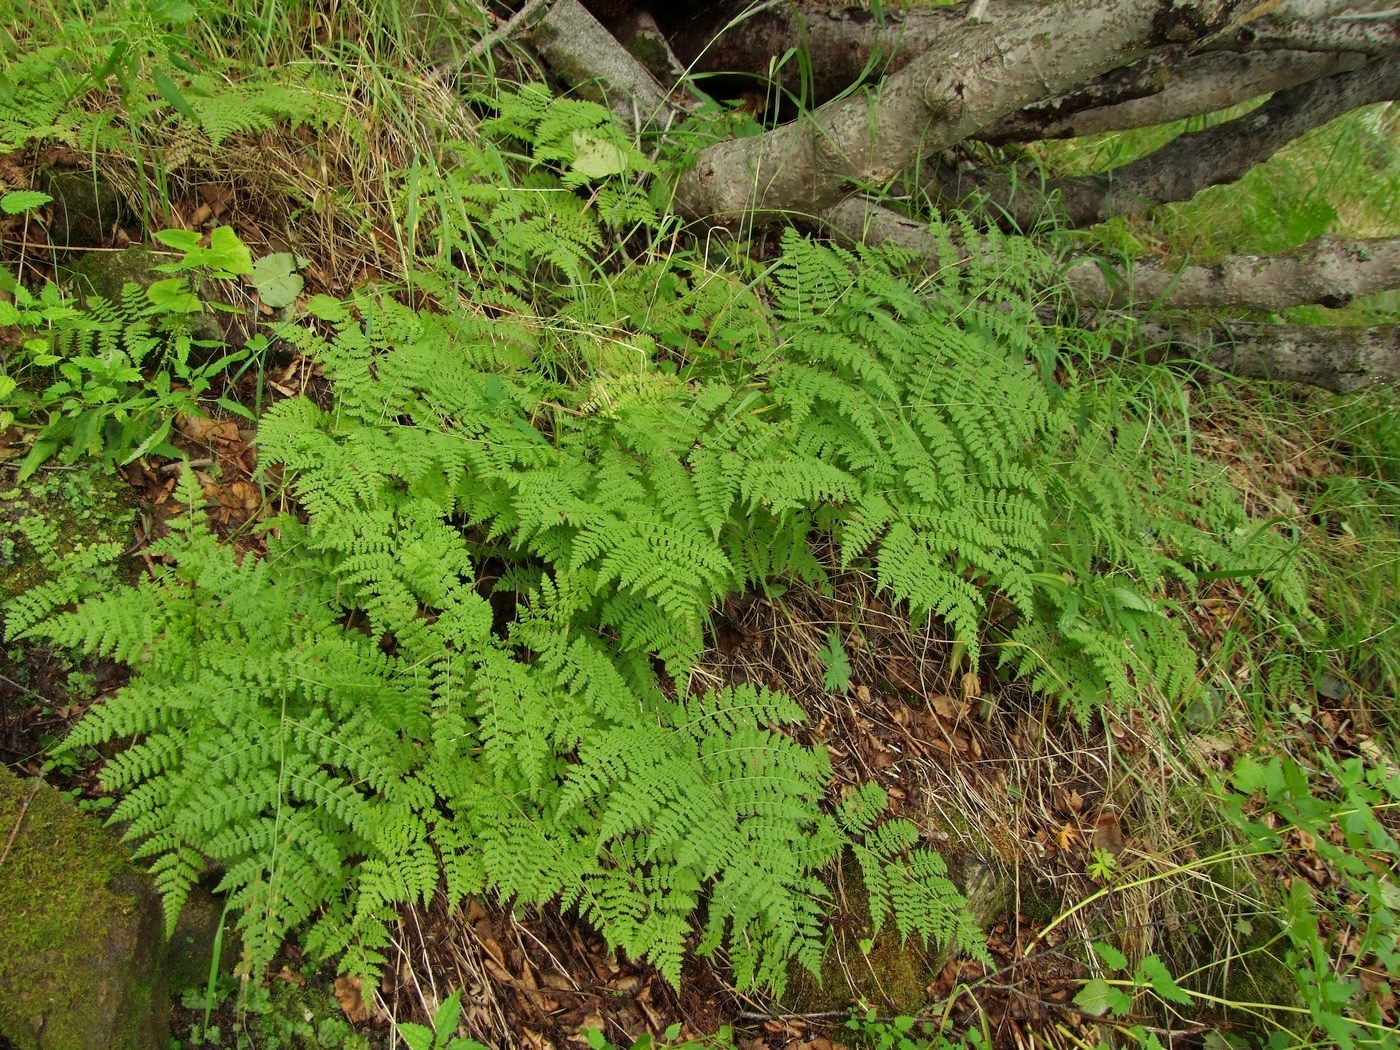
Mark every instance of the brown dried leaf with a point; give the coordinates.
(1108, 832)
(352, 1003)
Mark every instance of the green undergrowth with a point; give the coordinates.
(1343, 178)
(466, 664)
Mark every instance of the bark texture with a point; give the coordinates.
(980, 73)
(586, 55)
(1339, 359)
(1158, 91)
(1329, 272)
(1189, 163)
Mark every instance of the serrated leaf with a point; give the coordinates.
(1162, 981)
(17, 201)
(227, 252)
(174, 297)
(180, 240)
(326, 308)
(1248, 776)
(1111, 956)
(1098, 997)
(837, 664)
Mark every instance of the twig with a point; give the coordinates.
(38, 783)
(490, 40)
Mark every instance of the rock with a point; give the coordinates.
(82, 965)
(87, 208)
(107, 274)
(887, 971)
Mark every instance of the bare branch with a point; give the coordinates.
(1332, 357)
(1142, 96)
(982, 72)
(846, 44)
(588, 57)
(1194, 161)
(1330, 271)
(1374, 37)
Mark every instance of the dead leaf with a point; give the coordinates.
(352, 1003)
(1067, 837)
(205, 431)
(946, 706)
(1108, 832)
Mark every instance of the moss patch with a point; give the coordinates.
(81, 929)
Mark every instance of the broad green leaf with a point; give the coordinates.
(173, 296)
(180, 240)
(227, 252)
(595, 157)
(1248, 775)
(17, 201)
(327, 308)
(276, 279)
(171, 94)
(1098, 997)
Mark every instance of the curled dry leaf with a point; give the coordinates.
(352, 1003)
(1108, 832)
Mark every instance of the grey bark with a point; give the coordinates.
(1189, 163)
(1373, 37)
(848, 46)
(1339, 359)
(980, 73)
(587, 56)
(1334, 358)
(1330, 271)
(1157, 92)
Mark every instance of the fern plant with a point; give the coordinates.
(61, 86)
(343, 724)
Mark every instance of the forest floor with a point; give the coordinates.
(1081, 832)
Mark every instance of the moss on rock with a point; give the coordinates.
(82, 966)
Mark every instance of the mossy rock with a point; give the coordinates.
(87, 208)
(82, 966)
(885, 971)
(106, 274)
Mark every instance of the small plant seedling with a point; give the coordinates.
(442, 1036)
(837, 664)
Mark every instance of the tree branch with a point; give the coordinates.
(589, 58)
(1330, 271)
(845, 45)
(1373, 37)
(1149, 93)
(982, 72)
(1190, 162)
(1332, 357)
